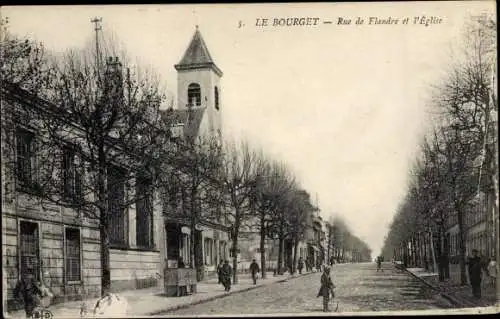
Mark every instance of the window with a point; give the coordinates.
(208, 251)
(29, 250)
(194, 94)
(26, 159)
(222, 250)
(185, 249)
(216, 97)
(72, 175)
(117, 210)
(72, 248)
(144, 213)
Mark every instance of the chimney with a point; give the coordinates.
(114, 78)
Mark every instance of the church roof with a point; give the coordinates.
(190, 119)
(197, 55)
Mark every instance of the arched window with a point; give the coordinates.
(194, 94)
(216, 96)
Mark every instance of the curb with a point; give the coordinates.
(446, 296)
(194, 303)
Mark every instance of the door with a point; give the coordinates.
(29, 248)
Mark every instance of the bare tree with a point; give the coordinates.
(192, 170)
(238, 179)
(298, 216)
(99, 139)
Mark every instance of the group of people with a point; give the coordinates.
(476, 266)
(224, 273)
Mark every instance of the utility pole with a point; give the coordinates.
(97, 27)
(493, 110)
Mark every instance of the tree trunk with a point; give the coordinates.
(103, 223)
(295, 248)
(446, 258)
(281, 242)
(440, 252)
(406, 255)
(426, 259)
(413, 252)
(262, 245)
(281, 239)
(192, 245)
(105, 271)
(419, 249)
(461, 236)
(235, 255)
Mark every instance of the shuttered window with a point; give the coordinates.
(118, 235)
(144, 213)
(73, 250)
(29, 248)
(25, 158)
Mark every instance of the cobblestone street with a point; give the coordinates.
(359, 288)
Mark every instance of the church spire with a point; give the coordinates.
(197, 55)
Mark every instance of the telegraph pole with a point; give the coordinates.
(97, 27)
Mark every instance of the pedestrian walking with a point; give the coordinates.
(326, 289)
(300, 265)
(226, 273)
(254, 269)
(219, 272)
(379, 264)
(28, 292)
(476, 266)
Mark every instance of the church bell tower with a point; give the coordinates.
(198, 85)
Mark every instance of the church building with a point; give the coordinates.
(197, 117)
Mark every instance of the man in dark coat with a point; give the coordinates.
(254, 269)
(300, 265)
(326, 289)
(28, 291)
(476, 266)
(226, 273)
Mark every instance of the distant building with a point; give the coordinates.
(476, 230)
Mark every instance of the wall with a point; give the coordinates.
(132, 269)
(52, 221)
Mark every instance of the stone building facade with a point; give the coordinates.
(60, 243)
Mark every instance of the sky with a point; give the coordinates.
(345, 105)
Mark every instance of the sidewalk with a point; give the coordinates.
(452, 290)
(152, 301)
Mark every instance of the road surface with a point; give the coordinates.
(359, 288)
